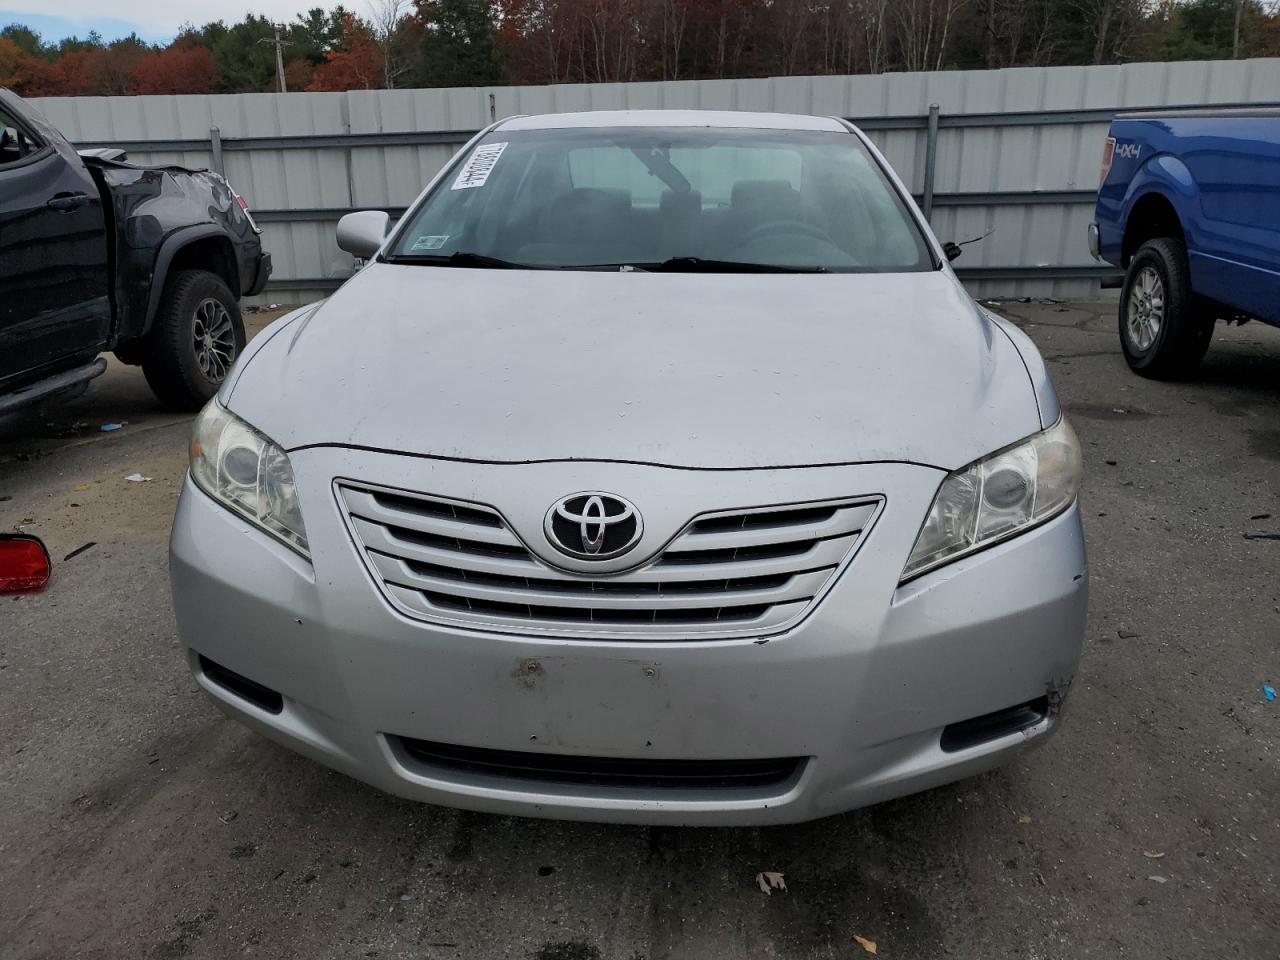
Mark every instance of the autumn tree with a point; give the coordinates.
(26, 40)
(356, 63)
(183, 67)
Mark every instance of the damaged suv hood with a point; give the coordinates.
(692, 370)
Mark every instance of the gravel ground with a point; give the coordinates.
(136, 821)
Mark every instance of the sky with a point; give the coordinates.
(154, 20)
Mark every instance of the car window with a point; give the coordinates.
(15, 142)
(599, 197)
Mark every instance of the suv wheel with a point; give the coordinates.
(196, 337)
(1164, 329)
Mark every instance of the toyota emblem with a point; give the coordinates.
(593, 525)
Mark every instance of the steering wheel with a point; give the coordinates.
(784, 226)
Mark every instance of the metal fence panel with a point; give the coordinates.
(1017, 151)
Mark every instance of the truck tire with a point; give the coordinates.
(196, 336)
(1164, 328)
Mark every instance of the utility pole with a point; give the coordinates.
(1235, 36)
(279, 45)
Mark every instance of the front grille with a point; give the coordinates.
(553, 768)
(729, 573)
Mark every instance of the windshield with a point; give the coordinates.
(660, 198)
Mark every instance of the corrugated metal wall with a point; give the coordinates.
(1018, 150)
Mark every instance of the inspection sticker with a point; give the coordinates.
(478, 166)
(429, 243)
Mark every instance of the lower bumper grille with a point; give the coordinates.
(603, 771)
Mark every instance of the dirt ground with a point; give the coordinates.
(137, 822)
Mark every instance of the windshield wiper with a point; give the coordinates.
(462, 258)
(703, 265)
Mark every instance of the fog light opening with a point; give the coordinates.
(264, 698)
(992, 726)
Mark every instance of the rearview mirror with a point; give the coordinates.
(24, 563)
(361, 234)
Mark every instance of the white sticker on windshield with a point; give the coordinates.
(478, 166)
(429, 243)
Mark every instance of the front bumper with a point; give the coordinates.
(862, 688)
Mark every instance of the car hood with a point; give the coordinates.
(690, 370)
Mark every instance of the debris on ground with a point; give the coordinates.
(227, 817)
(1158, 879)
(82, 487)
(68, 430)
(770, 880)
(1153, 854)
(865, 944)
(1261, 516)
(1262, 536)
(1268, 691)
(137, 478)
(79, 550)
(1128, 634)
(1024, 819)
(108, 427)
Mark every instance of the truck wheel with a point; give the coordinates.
(196, 337)
(1164, 329)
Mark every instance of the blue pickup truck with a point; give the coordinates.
(1189, 208)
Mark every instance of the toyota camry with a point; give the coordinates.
(654, 467)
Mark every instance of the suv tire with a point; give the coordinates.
(196, 337)
(1164, 327)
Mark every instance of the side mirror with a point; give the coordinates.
(361, 233)
(952, 249)
(24, 563)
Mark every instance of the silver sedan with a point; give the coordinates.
(656, 468)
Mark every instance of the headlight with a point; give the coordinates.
(247, 473)
(998, 497)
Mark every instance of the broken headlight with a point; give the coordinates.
(998, 497)
(248, 474)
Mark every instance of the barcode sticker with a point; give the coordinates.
(478, 166)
